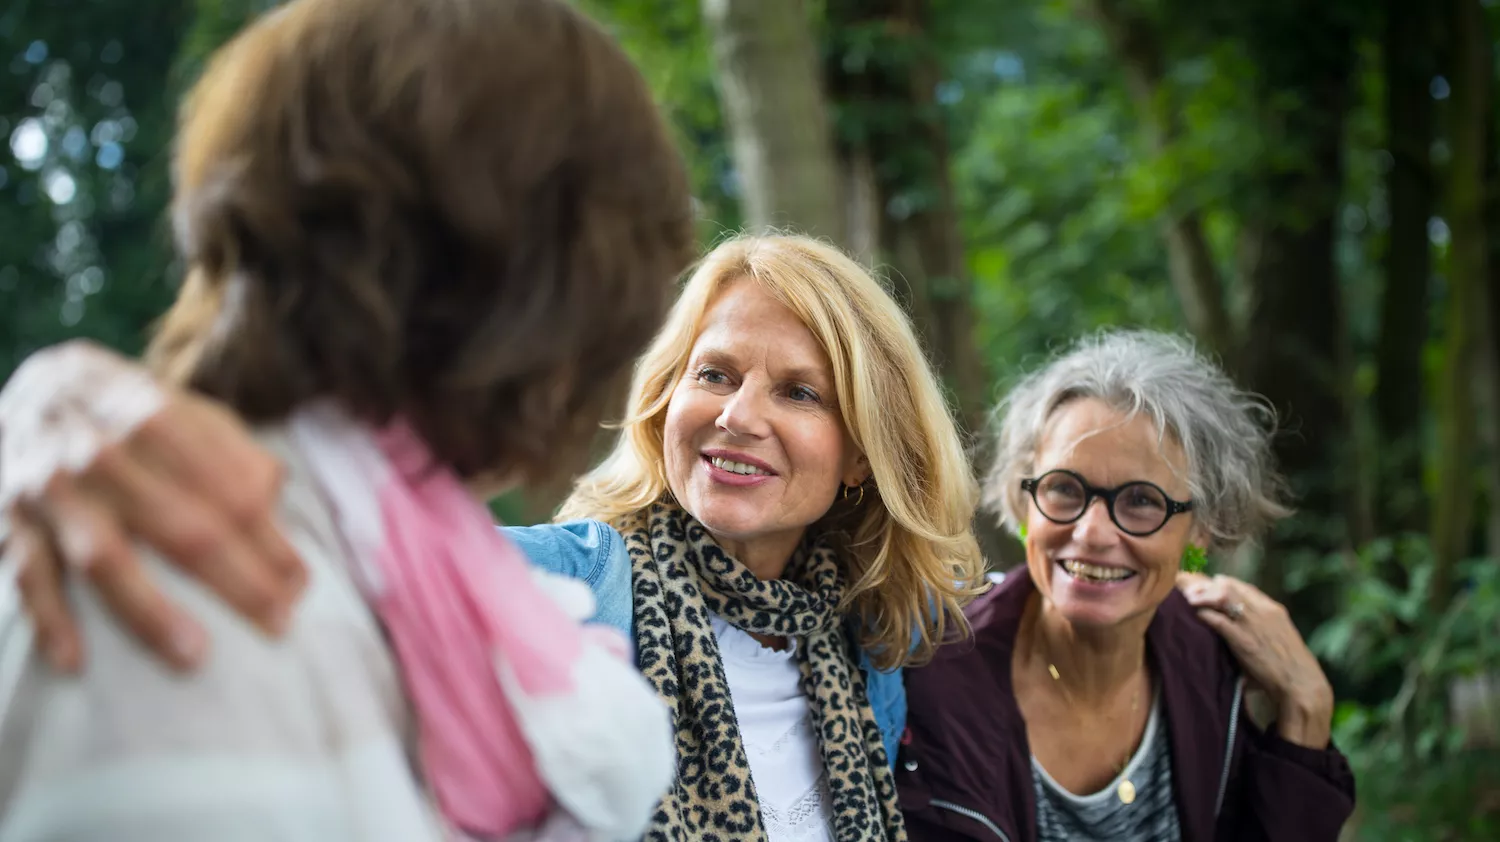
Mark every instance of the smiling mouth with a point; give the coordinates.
(1086, 572)
(741, 468)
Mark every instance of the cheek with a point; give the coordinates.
(681, 428)
(1163, 551)
(1043, 539)
(817, 451)
(1163, 561)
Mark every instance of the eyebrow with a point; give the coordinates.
(809, 374)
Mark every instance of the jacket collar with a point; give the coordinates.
(966, 743)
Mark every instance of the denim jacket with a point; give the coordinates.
(594, 552)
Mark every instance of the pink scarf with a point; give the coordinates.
(522, 711)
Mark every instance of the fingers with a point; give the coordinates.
(90, 539)
(208, 451)
(269, 543)
(1233, 597)
(186, 529)
(39, 579)
(1221, 623)
(1186, 580)
(1218, 593)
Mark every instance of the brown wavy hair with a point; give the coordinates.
(467, 213)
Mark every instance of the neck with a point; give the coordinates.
(766, 557)
(1093, 664)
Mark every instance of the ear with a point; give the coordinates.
(1199, 536)
(856, 469)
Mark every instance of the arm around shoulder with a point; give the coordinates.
(294, 740)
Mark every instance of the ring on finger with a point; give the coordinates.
(1236, 610)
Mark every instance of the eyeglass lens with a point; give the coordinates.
(1137, 507)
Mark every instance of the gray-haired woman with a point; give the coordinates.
(1096, 701)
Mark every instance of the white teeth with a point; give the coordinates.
(1084, 570)
(737, 467)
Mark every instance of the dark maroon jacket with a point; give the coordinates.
(964, 768)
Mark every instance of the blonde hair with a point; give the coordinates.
(910, 551)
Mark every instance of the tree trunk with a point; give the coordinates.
(1190, 261)
(1399, 393)
(1293, 352)
(1453, 504)
(1489, 371)
(1490, 335)
(766, 64)
(940, 245)
(1292, 357)
(895, 132)
(886, 100)
(862, 215)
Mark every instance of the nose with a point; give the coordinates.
(1094, 528)
(745, 414)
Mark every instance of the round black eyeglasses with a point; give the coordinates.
(1139, 508)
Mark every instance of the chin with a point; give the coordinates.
(1085, 608)
(1087, 616)
(727, 518)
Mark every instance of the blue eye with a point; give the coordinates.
(802, 393)
(712, 376)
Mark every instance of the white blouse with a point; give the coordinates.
(781, 743)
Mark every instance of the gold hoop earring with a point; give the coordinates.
(860, 498)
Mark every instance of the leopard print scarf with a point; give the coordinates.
(679, 574)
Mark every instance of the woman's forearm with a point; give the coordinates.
(1305, 718)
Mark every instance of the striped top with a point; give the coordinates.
(1062, 816)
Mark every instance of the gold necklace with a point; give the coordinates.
(1126, 790)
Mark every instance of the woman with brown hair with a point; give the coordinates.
(416, 261)
(782, 525)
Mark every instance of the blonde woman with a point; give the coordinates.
(794, 503)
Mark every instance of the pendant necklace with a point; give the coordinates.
(1126, 790)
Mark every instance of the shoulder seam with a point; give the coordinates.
(605, 539)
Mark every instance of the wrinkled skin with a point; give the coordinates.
(1270, 651)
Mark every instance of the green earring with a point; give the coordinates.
(1021, 532)
(1194, 559)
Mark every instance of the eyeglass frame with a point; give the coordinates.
(1108, 495)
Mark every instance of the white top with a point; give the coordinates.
(270, 741)
(775, 719)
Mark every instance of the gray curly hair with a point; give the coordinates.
(1225, 432)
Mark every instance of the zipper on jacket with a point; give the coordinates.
(970, 814)
(1234, 725)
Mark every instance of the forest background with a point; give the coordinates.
(1310, 190)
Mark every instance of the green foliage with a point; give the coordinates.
(1062, 177)
(1417, 771)
(1056, 247)
(667, 40)
(1194, 559)
(83, 195)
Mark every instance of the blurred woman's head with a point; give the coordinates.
(788, 392)
(1118, 456)
(466, 213)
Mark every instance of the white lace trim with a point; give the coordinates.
(809, 817)
(737, 644)
(794, 734)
